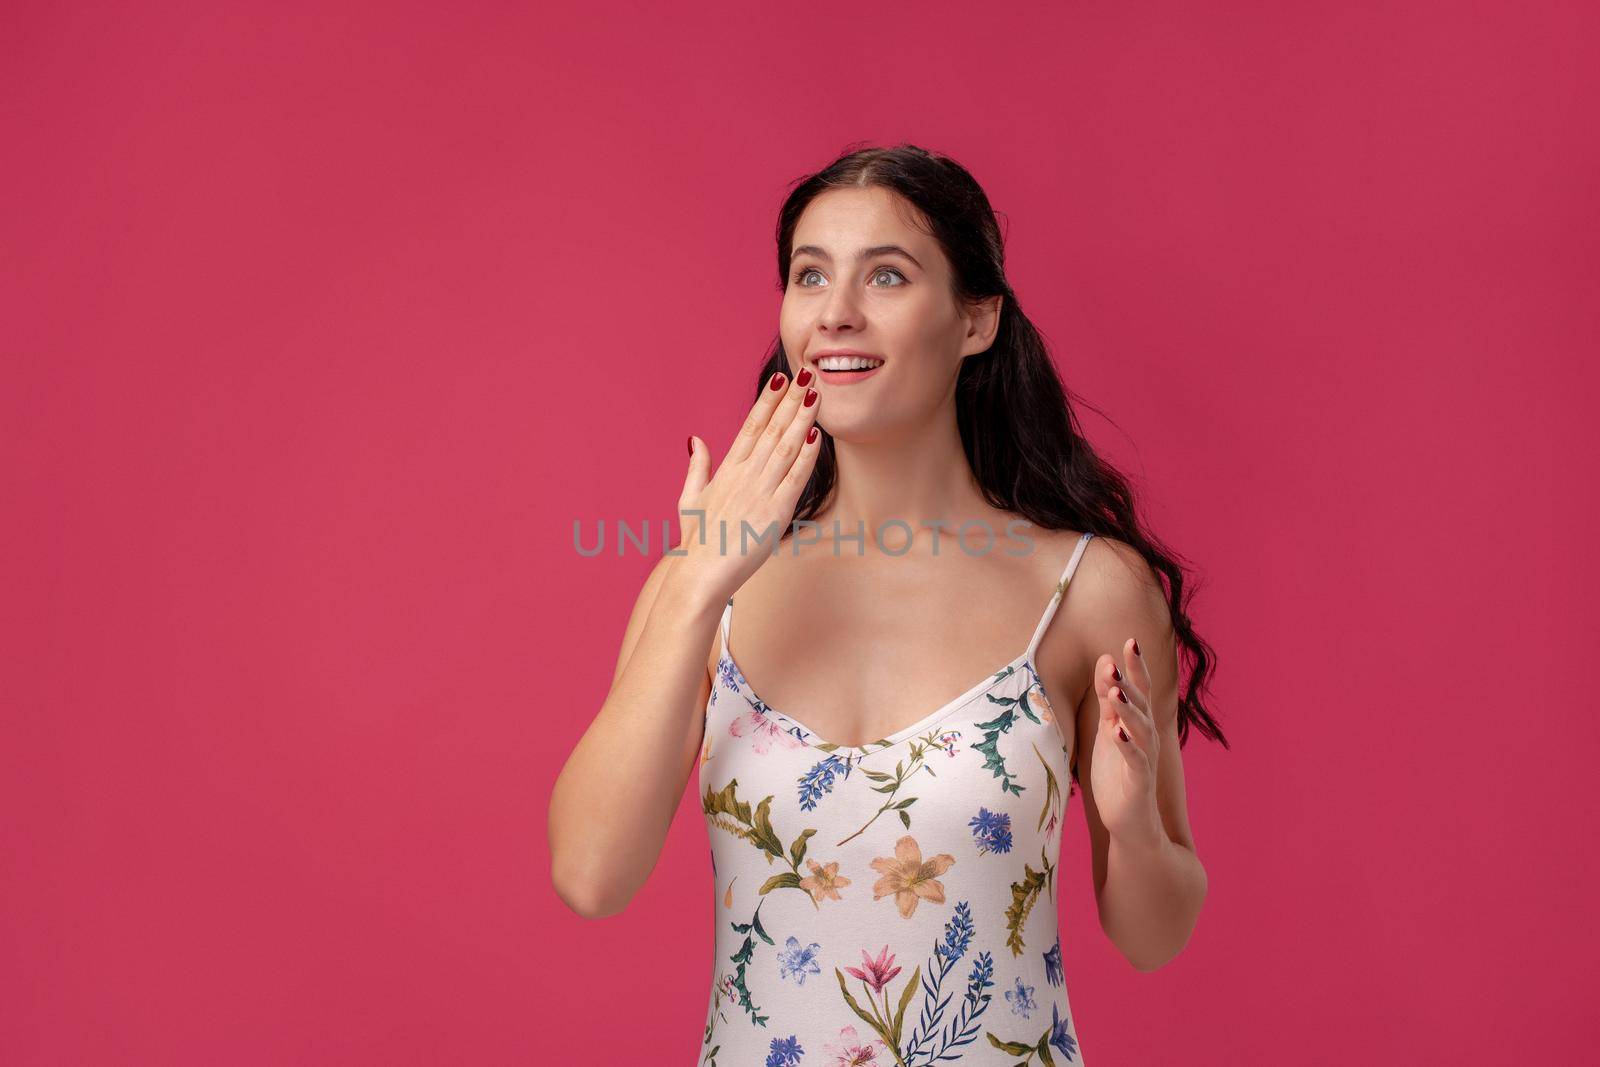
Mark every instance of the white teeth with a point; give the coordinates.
(847, 363)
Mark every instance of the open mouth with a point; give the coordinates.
(846, 365)
(848, 376)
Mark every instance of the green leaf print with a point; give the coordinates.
(1052, 790)
(797, 851)
(905, 998)
(742, 958)
(724, 809)
(993, 761)
(1023, 896)
(781, 880)
(851, 1000)
(765, 837)
(904, 769)
(990, 747)
(1028, 1050)
(1016, 1048)
(886, 1027)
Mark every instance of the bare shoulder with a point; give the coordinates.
(1114, 594)
(1115, 582)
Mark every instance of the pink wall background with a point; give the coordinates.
(323, 323)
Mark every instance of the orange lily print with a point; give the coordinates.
(909, 877)
(824, 881)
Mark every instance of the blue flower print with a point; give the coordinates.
(957, 933)
(931, 1038)
(991, 830)
(797, 961)
(786, 1051)
(727, 675)
(1052, 963)
(818, 781)
(1021, 999)
(1059, 1038)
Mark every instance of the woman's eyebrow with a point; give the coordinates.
(865, 253)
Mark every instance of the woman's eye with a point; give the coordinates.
(800, 275)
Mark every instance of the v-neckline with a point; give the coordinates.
(988, 682)
(1024, 659)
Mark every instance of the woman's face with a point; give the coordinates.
(894, 306)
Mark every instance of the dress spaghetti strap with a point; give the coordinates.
(1056, 597)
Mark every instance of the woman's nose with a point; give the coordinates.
(841, 310)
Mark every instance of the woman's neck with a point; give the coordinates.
(916, 480)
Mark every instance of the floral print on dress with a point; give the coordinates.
(818, 781)
(1058, 1036)
(945, 1024)
(824, 882)
(875, 976)
(991, 831)
(1052, 963)
(762, 731)
(796, 962)
(727, 675)
(955, 819)
(784, 1052)
(1021, 999)
(876, 972)
(910, 878)
(851, 1050)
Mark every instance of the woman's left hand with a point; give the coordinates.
(1126, 746)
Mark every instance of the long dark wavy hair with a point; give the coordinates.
(1016, 417)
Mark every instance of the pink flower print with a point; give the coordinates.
(851, 1051)
(877, 973)
(948, 740)
(763, 732)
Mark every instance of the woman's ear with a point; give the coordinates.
(983, 322)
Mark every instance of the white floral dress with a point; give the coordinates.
(892, 903)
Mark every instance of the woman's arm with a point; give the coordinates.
(1149, 882)
(614, 800)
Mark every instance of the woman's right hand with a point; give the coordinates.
(759, 481)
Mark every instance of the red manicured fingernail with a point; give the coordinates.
(804, 377)
(1122, 733)
(1122, 696)
(691, 444)
(1116, 675)
(811, 435)
(811, 397)
(1136, 648)
(777, 381)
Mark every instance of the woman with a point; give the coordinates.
(885, 829)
